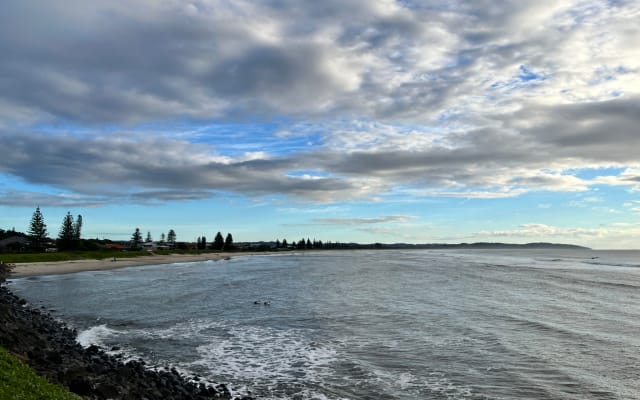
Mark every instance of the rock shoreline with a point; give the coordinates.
(50, 348)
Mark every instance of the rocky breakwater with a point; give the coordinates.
(50, 348)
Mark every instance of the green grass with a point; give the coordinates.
(19, 382)
(68, 255)
(13, 258)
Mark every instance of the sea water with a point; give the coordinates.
(400, 324)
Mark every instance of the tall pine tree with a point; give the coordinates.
(66, 237)
(228, 242)
(218, 242)
(37, 230)
(77, 228)
(171, 238)
(136, 239)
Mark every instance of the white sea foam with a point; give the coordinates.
(96, 335)
(259, 352)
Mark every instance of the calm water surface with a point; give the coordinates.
(374, 324)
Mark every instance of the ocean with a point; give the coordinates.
(384, 324)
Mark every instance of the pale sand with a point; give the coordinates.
(22, 270)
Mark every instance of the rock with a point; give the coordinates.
(81, 387)
(50, 348)
(107, 391)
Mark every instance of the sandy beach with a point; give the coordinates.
(22, 270)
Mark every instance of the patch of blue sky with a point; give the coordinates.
(525, 78)
(234, 139)
(230, 139)
(527, 74)
(14, 183)
(591, 173)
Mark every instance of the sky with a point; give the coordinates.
(340, 120)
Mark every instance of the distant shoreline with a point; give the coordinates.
(24, 270)
(28, 269)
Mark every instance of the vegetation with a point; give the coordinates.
(228, 242)
(18, 381)
(37, 231)
(136, 239)
(67, 236)
(69, 255)
(218, 242)
(77, 230)
(171, 237)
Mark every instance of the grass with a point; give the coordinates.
(18, 381)
(68, 255)
(13, 258)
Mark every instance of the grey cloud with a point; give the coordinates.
(29, 199)
(117, 62)
(95, 64)
(604, 131)
(113, 62)
(152, 170)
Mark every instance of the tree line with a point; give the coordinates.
(170, 239)
(69, 235)
(219, 243)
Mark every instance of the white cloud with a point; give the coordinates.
(364, 221)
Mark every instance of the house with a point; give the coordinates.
(151, 246)
(13, 244)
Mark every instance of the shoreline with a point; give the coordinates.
(50, 348)
(25, 270)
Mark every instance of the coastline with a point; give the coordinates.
(49, 347)
(24, 270)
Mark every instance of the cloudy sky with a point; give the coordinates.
(343, 120)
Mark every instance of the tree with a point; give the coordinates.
(37, 230)
(162, 238)
(67, 235)
(136, 239)
(228, 242)
(148, 239)
(77, 229)
(218, 242)
(203, 242)
(284, 243)
(171, 237)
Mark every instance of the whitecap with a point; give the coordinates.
(96, 335)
